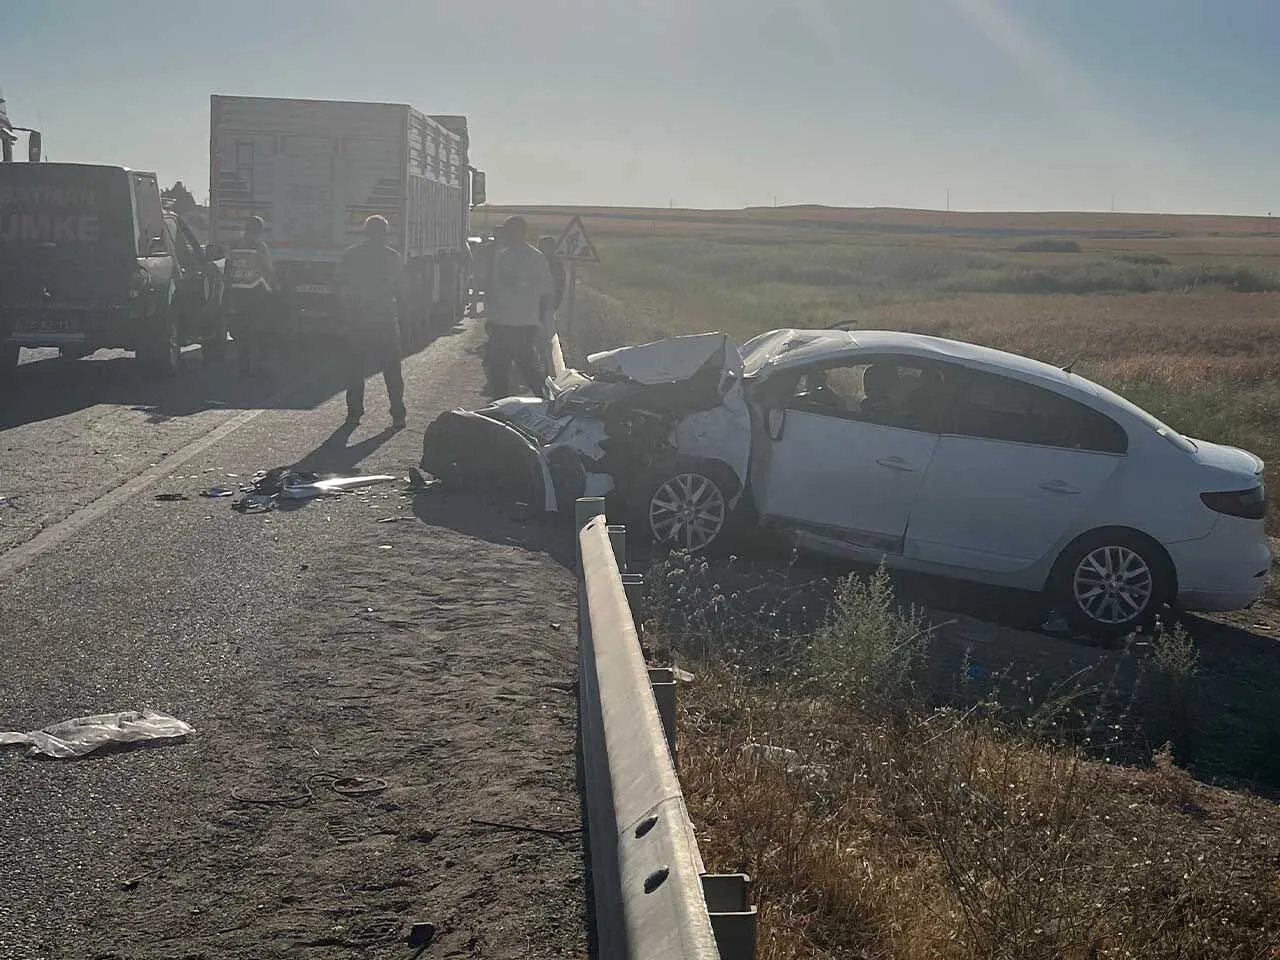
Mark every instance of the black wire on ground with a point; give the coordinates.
(342, 785)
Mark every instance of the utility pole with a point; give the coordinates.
(948, 199)
(1113, 203)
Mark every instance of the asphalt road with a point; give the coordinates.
(428, 653)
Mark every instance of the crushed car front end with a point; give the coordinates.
(636, 418)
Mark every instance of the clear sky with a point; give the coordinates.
(1169, 105)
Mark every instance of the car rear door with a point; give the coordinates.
(833, 468)
(1018, 468)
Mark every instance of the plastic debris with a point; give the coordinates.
(974, 672)
(7, 502)
(83, 735)
(254, 503)
(169, 497)
(143, 408)
(215, 492)
(322, 488)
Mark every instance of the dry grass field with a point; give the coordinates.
(911, 786)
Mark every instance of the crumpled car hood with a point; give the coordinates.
(668, 361)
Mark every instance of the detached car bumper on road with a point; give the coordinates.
(927, 454)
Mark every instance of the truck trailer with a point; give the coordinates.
(314, 170)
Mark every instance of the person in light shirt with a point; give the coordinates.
(521, 278)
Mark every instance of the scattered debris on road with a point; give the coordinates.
(216, 492)
(254, 503)
(323, 488)
(83, 735)
(170, 497)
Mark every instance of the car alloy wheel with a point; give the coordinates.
(1113, 585)
(688, 511)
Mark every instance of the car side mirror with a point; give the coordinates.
(775, 419)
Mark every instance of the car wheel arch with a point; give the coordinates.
(1120, 530)
(1060, 587)
(635, 495)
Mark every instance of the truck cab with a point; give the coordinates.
(89, 258)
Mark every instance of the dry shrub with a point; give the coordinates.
(884, 830)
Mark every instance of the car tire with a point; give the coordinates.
(161, 355)
(1112, 582)
(684, 505)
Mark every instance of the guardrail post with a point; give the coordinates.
(633, 587)
(663, 682)
(618, 540)
(733, 918)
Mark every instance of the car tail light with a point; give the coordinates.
(1250, 504)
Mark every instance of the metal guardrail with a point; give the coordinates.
(653, 898)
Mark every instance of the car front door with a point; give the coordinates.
(840, 464)
(190, 285)
(1018, 468)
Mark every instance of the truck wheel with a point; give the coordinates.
(161, 355)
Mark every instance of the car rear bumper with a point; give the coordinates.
(1227, 570)
(100, 325)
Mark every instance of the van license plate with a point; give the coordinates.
(61, 326)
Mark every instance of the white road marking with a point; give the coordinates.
(15, 559)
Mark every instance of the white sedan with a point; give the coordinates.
(927, 454)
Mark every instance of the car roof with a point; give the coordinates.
(788, 348)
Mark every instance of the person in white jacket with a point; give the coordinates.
(521, 278)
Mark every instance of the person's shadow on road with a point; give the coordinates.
(334, 456)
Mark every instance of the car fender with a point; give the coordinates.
(722, 433)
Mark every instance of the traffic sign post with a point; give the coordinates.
(575, 247)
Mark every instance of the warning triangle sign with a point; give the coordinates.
(575, 244)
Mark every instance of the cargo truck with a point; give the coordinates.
(314, 170)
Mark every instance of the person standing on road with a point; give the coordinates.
(521, 278)
(254, 294)
(372, 286)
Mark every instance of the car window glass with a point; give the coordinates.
(891, 392)
(993, 407)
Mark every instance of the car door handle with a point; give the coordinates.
(896, 463)
(1059, 486)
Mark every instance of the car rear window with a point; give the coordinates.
(993, 407)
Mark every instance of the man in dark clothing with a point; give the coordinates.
(372, 286)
